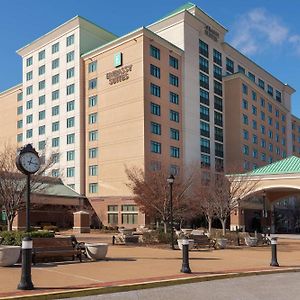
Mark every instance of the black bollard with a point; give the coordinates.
(237, 235)
(113, 239)
(185, 257)
(274, 262)
(26, 283)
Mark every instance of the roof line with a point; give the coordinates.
(11, 88)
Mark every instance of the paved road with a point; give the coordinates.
(263, 287)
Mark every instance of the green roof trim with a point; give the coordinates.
(185, 6)
(289, 165)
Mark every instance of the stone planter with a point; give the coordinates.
(186, 230)
(126, 231)
(191, 243)
(9, 255)
(96, 251)
(221, 243)
(251, 241)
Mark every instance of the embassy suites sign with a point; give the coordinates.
(213, 34)
(119, 75)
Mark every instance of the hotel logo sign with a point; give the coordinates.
(213, 34)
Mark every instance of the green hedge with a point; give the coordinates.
(14, 238)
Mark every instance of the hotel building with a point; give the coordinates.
(174, 93)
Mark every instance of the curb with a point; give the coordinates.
(146, 285)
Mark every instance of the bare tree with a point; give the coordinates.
(152, 193)
(13, 183)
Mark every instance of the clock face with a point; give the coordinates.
(30, 162)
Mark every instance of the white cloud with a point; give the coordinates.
(257, 30)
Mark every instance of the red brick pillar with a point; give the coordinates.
(237, 219)
(19, 222)
(81, 222)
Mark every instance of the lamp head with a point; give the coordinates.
(171, 179)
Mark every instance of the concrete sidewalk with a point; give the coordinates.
(129, 265)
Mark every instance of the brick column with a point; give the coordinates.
(19, 222)
(237, 219)
(81, 222)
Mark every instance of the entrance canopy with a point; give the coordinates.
(278, 180)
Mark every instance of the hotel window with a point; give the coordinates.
(28, 133)
(245, 134)
(254, 110)
(277, 113)
(217, 72)
(29, 76)
(55, 126)
(42, 70)
(205, 145)
(219, 150)
(203, 48)
(245, 150)
(245, 104)
(93, 152)
(263, 156)
(70, 122)
(42, 115)
(218, 88)
(55, 110)
(203, 64)
(278, 96)
(270, 108)
(277, 151)
(93, 101)
(70, 172)
(29, 90)
(283, 118)
(55, 63)
(155, 109)
(155, 147)
(70, 138)
(55, 95)
(174, 98)
(173, 62)
(204, 113)
(155, 128)
(93, 170)
(254, 139)
(205, 160)
(251, 76)
(154, 52)
(204, 97)
(174, 170)
(70, 155)
(70, 56)
(55, 48)
(283, 141)
(245, 89)
(283, 129)
(254, 96)
(20, 137)
(155, 165)
(20, 110)
(262, 116)
(241, 69)
(270, 121)
(20, 97)
(70, 73)
(93, 188)
(270, 159)
(55, 157)
(245, 119)
(174, 152)
(70, 40)
(218, 118)
(55, 79)
(29, 104)
(229, 65)
(92, 83)
(218, 134)
(70, 89)
(262, 102)
(219, 165)
(262, 129)
(112, 218)
(129, 218)
(19, 123)
(277, 137)
(218, 103)
(93, 118)
(42, 54)
(42, 85)
(70, 105)
(42, 145)
(93, 135)
(217, 57)
(55, 173)
(261, 84)
(42, 129)
(29, 61)
(254, 153)
(29, 119)
(173, 80)
(174, 134)
(270, 90)
(174, 116)
(92, 66)
(155, 71)
(55, 142)
(204, 80)
(204, 129)
(154, 90)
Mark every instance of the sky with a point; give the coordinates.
(268, 31)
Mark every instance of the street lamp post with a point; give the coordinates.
(170, 181)
(264, 212)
